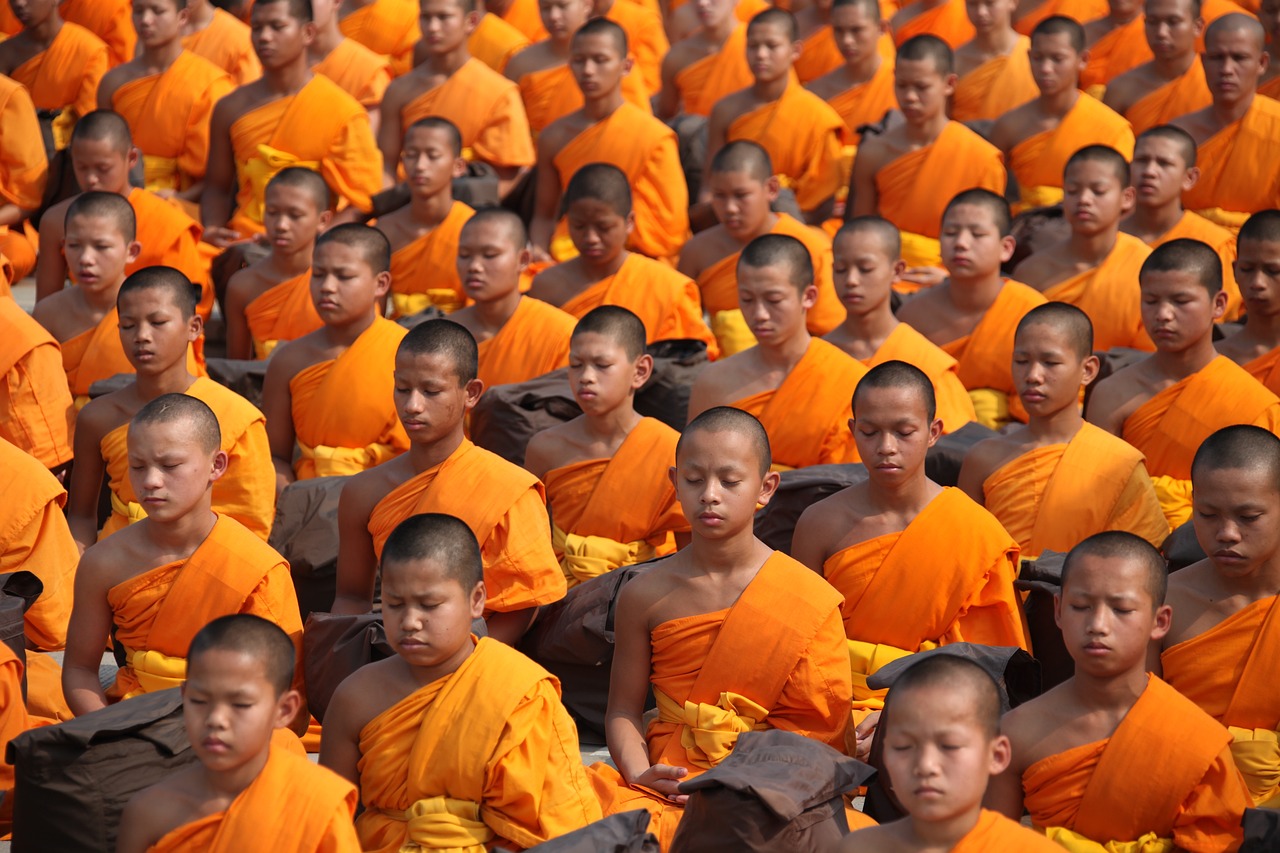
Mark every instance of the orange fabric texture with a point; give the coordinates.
(428, 266)
(36, 411)
(524, 16)
(24, 165)
(646, 39)
(818, 55)
(1038, 161)
(995, 833)
(533, 342)
(169, 237)
(1119, 50)
(1108, 293)
(14, 720)
(66, 77)
(94, 354)
(552, 93)
(1266, 369)
(996, 86)
(487, 109)
(1230, 185)
(948, 21)
(358, 71)
(494, 42)
(904, 343)
(109, 20)
(1193, 226)
(1184, 94)
(1081, 10)
(282, 314)
(225, 43)
(707, 80)
(387, 27)
(867, 104)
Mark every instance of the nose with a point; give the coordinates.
(151, 477)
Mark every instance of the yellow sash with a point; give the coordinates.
(586, 557)
(1068, 840)
(865, 660)
(1228, 219)
(991, 407)
(920, 251)
(1257, 754)
(341, 461)
(1175, 498)
(154, 671)
(1033, 197)
(443, 825)
(710, 731)
(160, 173)
(259, 170)
(730, 329)
(263, 349)
(131, 512)
(407, 304)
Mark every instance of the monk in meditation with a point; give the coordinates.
(221, 38)
(1257, 272)
(1173, 82)
(1096, 267)
(686, 628)
(946, 19)
(269, 302)
(36, 410)
(157, 324)
(1116, 44)
(867, 258)
(708, 65)
(1057, 480)
(860, 89)
(358, 71)
(610, 499)
(435, 386)
(1169, 402)
(908, 173)
(1114, 733)
(600, 218)
(153, 585)
(1039, 137)
(233, 794)
(24, 172)
(387, 27)
(109, 20)
(514, 777)
(993, 71)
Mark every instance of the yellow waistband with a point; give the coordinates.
(865, 660)
(263, 349)
(260, 169)
(1175, 498)
(131, 511)
(154, 670)
(730, 329)
(407, 304)
(1033, 197)
(1076, 843)
(1257, 754)
(1228, 219)
(443, 824)
(161, 173)
(710, 731)
(341, 461)
(920, 251)
(991, 407)
(585, 557)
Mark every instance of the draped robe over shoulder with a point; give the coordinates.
(1266, 369)
(533, 342)
(996, 86)
(225, 42)
(1231, 187)
(358, 71)
(947, 20)
(1109, 294)
(425, 271)
(64, 78)
(904, 343)
(24, 171)
(487, 110)
(282, 314)
(36, 410)
(387, 27)
(109, 20)
(707, 80)
(995, 833)
(1185, 93)
(1119, 50)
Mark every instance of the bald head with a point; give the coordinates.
(372, 244)
(616, 324)
(882, 230)
(898, 374)
(602, 182)
(729, 419)
(447, 338)
(104, 126)
(442, 539)
(930, 48)
(1133, 550)
(871, 8)
(604, 27)
(509, 223)
(1243, 447)
(252, 636)
(1055, 25)
(958, 677)
(780, 250)
(743, 156)
(102, 205)
(1184, 141)
(987, 200)
(448, 128)
(308, 181)
(195, 416)
(183, 294)
(777, 17)
(1235, 22)
(1104, 154)
(1069, 320)
(1262, 227)
(1185, 255)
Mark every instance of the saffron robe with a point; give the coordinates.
(995, 833)
(1119, 50)
(646, 39)
(387, 27)
(867, 103)
(98, 354)
(904, 343)
(534, 341)
(24, 170)
(282, 314)
(1231, 187)
(14, 721)
(1183, 94)
(996, 86)
(109, 20)
(1193, 226)
(494, 42)
(818, 55)
(707, 80)
(524, 16)
(1266, 369)
(1270, 88)
(505, 507)
(552, 93)
(169, 237)
(485, 755)
(225, 42)
(948, 21)
(1080, 10)
(36, 411)
(65, 77)
(358, 71)
(1109, 294)
(425, 272)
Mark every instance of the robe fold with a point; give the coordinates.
(225, 42)
(358, 71)
(1119, 50)
(552, 93)
(484, 756)
(487, 110)
(524, 16)
(1270, 88)
(948, 21)
(995, 833)
(867, 103)
(1186, 93)
(904, 343)
(1193, 226)
(996, 86)
(494, 42)
(92, 355)
(282, 314)
(1109, 294)
(64, 78)
(14, 721)
(169, 237)
(646, 39)
(533, 342)
(1266, 369)
(109, 20)
(386, 27)
(505, 507)
(1231, 187)
(24, 170)
(425, 272)
(707, 80)
(819, 55)
(36, 410)
(1080, 10)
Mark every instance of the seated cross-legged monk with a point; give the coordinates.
(1173, 82)
(221, 38)
(505, 506)
(1256, 347)
(1116, 44)
(688, 626)
(608, 493)
(513, 775)
(946, 19)
(1058, 480)
(24, 173)
(358, 71)
(329, 391)
(788, 370)
(387, 27)
(1114, 733)
(708, 65)
(36, 409)
(993, 71)
(1169, 402)
(109, 20)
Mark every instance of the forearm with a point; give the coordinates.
(627, 746)
(82, 689)
(215, 206)
(510, 627)
(540, 231)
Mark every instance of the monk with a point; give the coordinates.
(1058, 480)
(946, 19)
(1254, 347)
(36, 410)
(436, 386)
(993, 71)
(908, 173)
(608, 129)
(269, 302)
(1237, 129)
(229, 800)
(819, 53)
(860, 89)
(358, 71)
(328, 395)
(867, 258)
(708, 65)
(513, 777)
(1223, 631)
(1104, 735)
(387, 27)
(645, 35)
(1096, 267)
(221, 38)
(289, 117)
(109, 20)
(743, 186)
(24, 172)
(1159, 91)
(157, 325)
(1039, 137)
(523, 15)
(788, 370)
(686, 627)
(599, 214)
(1116, 44)
(153, 585)
(493, 42)
(1030, 13)
(1161, 405)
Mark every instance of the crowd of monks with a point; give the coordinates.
(1044, 235)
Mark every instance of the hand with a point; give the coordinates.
(925, 276)
(864, 733)
(220, 236)
(539, 255)
(665, 780)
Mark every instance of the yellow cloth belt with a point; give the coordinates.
(81, 401)
(445, 825)
(62, 127)
(130, 511)
(586, 557)
(710, 731)
(263, 349)
(1257, 754)
(1076, 843)
(161, 173)
(1228, 219)
(730, 329)
(865, 659)
(847, 155)
(1033, 197)
(154, 671)
(991, 406)
(341, 461)
(1175, 498)
(260, 169)
(407, 304)
(920, 251)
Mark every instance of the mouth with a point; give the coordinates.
(1228, 556)
(326, 305)
(213, 744)
(711, 519)
(1033, 396)
(1096, 649)
(584, 394)
(143, 355)
(414, 426)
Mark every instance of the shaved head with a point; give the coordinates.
(1100, 154)
(618, 325)
(602, 182)
(1241, 447)
(1185, 255)
(881, 229)
(1120, 544)
(440, 538)
(201, 422)
(104, 126)
(745, 156)
(1061, 25)
(448, 128)
(307, 180)
(778, 17)
(184, 294)
(1068, 319)
(110, 206)
(928, 47)
(605, 27)
(1263, 226)
(1185, 142)
(247, 634)
(445, 337)
(870, 7)
(729, 419)
(372, 244)
(1236, 22)
(956, 675)
(299, 10)
(989, 201)
(504, 218)
(780, 250)
(898, 374)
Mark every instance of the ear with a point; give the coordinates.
(671, 475)
(195, 327)
(1084, 58)
(1162, 623)
(1001, 755)
(935, 431)
(472, 392)
(1008, 246)
(322, 223)
(852, 423)
(1057, 609)
(1089, 370)
(809, 297)
(525, 257)
(1190, 178)
(899, 267)
(643, 370)
(768, 486)
(630, 222)
(1265, 62)
(1219, 305)
(131, 252)
(309, 33)
(382, 284)
(627, 64)
(949, 84)
(133, 156)
(459, 167)
(1128, 199)
(220, 463)
(471, 20)
(772, 187)
(287, 707)
(477, 600)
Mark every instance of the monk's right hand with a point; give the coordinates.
(665, 780)
(539, 255)
(864, 733)
(220, 236)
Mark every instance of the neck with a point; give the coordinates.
(1059, 427)
(1118, 21)
(1262, 329)
(927, 130)
(1059, 103)
(614, 424)
(599, 109)
(198, 16)
(771, 90)
(1174, 67)
(288, 79)
(943, 835)
(862, 69)
(431, 209)
(449, 61)
(494, 315)
(908, 497)
(45, 31)
(766, 227)
(1094, 248)
(346, 335)
(1185, 362)
(1110, 693)
(425, 456)
(1149, 222)
(975, 294)
(996, 41)
(291, 264)
(873, 327)
(227, 785)
(786, 354)
(726, 555)
(327, 38)
(721, 31)
(161, 55)
(183, 535)
(1231, 113)
(561, 47)
(103, 300)
(595, 272)
(174, 379)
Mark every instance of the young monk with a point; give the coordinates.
(946, 19)
(1173, 82)
(1058, 480)
(707, 65)
(330, 391)
(387, 27)
(237, 694)
(993, 71)
(358, 71)
(907, 173)
(942, 744)
(788, 370)
(1257, 270)
(600, 218)
(1166, 404)
(861, 88)
(513, 776)
(687, 628)
(1096, 267)
(867, 258)
(153, 585)
(609, 500)
(436, 386)
(1116, 45)
(24, 172)
(36, 410)
(157, 324)
(1107, 734)
(221, 38)
(109, 20)
(645, 35)
(1038, 137)
(269, 302)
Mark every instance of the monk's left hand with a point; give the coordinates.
(925, 276)
(865, 733)
(664, 779)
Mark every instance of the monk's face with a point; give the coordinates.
(1055, 64)
(972, 246)
(427, 613)
(445, 26)
(1107, 615)
(1093, 197)
(598, 65)
(718, 482)
(1177, 311)
(97, 252)
(430, 398)
(864, 271)
(1257, 270)
(170, 470)
(1269, 17)
(1235, 519)
(153, 331)
(601, 373)
(32, 13)
(158, 22)
(291, 218)
(1171, 28)
(1159, 172)
(773, 303)
(990, 16)
(278, 37)
(344, 287)
(741, 202)
(712, 13)
(893, 431)
(598, 231)
(922, 90)
(430, 163)
(770, 51)
(1233, 59)
(102, 164)
(230, 708)
(490, 260)
(1048, 372)
(1124, 10)
(856, 32)
(562, 18)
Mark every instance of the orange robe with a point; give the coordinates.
(24, 170)
(344, 415)
(9, 23)
(246, 493)
(505, 507)
(995, 832)
(1231, 186)
(904, 343)
(425, 272)
(321, 807)
(524, 16)
(1186, 93)
(1053, 498)
(65, 77)
(1198, 803)
(552, 93)
(867, 103)
(996, 86)
(282, 314)
(617, 511)
(1080, 10)
(1229, 671)
(1270, 88)
(818, 55)
(707, 80)
(14, 720)
(225, 43)
(94, 354)
(1108, 293)
(494, 42)
(534, 341)
(775, 659)
(1193, 226)
(169, 237)
(321, 127)
(1119, 50)
(387, 27)
(510, 777)
(948, 21)
(358, 71)
(647, 41)
(109, 20)
(1266, 369)
(36, 411)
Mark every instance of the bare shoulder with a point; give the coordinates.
(548, 449)
(557, 134)
(103, 414)
(370, 690)
(987, 457)
(293, 356)
(526, 61)
(886, 838)
(1124, 91)
(552, 284)
(925, 305)
(702, 250)
(683, 53)
(1011, 128)
(56, 216)
(365, 489)
(732, 106)
(156, 811)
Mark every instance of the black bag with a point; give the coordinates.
(1182, 548)
(1015, 672)
(244, 376)
(305, 532)
(798, 490)
(1041, 579)
(1261, 831)
(625, 832)
(507, 416)
(676, 364)
(942, 462)
(18, 591)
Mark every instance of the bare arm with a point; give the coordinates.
(51, 266)
(88, 628)
(510, 626)
(667, 102)
(219, 179)
(863, 200)
(239, 341)
(974, 472)
(390, 133)
(1105, 407)
(340, 742)
(546, 201)
(357, 565)
(808, 543)
(277, 405)
(86, 479)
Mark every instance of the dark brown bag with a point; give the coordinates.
(942, 462)
(1182, 548)
(305, 532)
(798, 490)
(507, 416)
(625, 832)
(1041, 579)
(244, 376)
(1261, 831)
(676, 364)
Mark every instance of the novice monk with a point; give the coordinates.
(358, 71)
(610, 502)
(1039, 137)
(512, 776)
(708, 65)
(436, 386)
(157, 324)
(1116, 45)
(1114, 754)
(1224, 636)
(946, 19)
(221, 38)
(236, 696)
(153, 585)
(330, 391)
(688, 626)
(1168, 403)
(1173, 82)
(24, 172)
(993, 71)
(269, 302)
(1096, 268)
(1256, 347)
(861, 89)
(867, 259)
(1058, 480)
(36, 410)
(387, 27)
